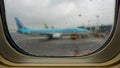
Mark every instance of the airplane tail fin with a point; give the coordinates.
(18, 23)
(46, 26)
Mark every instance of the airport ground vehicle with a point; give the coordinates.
(108, 57)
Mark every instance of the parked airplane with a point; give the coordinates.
(52, 32)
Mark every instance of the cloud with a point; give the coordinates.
(60, 13)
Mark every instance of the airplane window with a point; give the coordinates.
(60, 27)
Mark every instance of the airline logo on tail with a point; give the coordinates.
(19, 24)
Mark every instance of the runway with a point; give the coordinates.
(41, 46)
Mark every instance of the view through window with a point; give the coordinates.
(60, 27)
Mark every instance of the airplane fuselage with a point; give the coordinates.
(55, 30)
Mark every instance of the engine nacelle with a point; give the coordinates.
(56, 35)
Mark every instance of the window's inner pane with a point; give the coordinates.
(60, 27)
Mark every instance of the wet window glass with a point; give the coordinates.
(60, 27)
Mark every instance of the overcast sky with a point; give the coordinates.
(59, 13)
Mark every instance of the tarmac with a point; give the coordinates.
(40, 46)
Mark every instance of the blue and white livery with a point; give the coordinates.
(51, 32)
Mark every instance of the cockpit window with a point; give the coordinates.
(60, 27)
